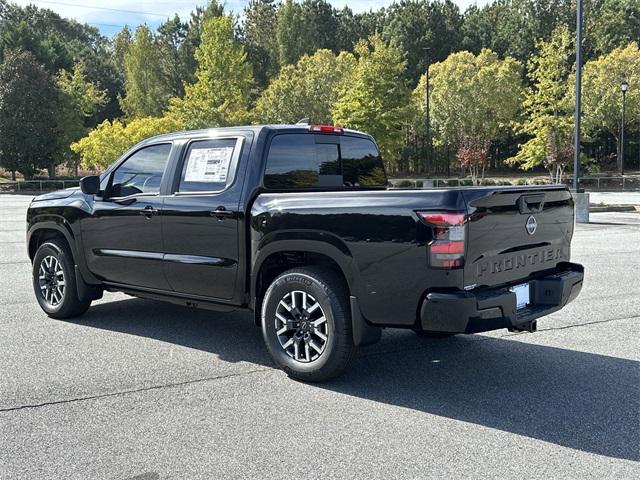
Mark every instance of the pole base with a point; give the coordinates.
(581, 203)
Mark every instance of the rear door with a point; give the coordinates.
(514, 233)
(201, 218)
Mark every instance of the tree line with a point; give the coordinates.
(500, 81)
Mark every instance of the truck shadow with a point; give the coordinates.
(574, 399)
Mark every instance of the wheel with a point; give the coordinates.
(54, 281)
(306, 323)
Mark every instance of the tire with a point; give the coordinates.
(56, 292)
(323, 333)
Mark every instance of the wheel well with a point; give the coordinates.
(279, 262)
(41, 236)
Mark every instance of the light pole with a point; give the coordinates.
(624, 86)
(576, 139)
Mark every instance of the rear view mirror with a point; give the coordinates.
(90, 185)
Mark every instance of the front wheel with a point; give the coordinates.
(306, 323)
(54, 281)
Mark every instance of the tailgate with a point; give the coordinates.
(514, 233)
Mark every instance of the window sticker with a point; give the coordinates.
(208, 165)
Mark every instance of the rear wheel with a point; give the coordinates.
(54, 281)
(306, 323)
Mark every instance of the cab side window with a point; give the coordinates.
(141, 172)
(296, 161)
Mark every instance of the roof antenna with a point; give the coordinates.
(304, 121)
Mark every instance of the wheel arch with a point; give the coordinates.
(40, 232)
(43, 231)
(277, 257)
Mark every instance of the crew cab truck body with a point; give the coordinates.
(296, 223)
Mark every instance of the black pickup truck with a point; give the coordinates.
(296, 224)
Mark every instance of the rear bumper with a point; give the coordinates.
(491, 309)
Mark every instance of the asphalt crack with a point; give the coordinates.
(136, 390)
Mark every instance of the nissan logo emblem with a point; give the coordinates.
(532, 225)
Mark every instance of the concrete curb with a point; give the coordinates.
(614, 208)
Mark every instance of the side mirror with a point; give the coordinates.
(90, 185)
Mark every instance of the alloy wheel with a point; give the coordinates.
(301, 326)
(51, 280)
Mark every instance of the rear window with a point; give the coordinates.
(361, 163)
(305, 161)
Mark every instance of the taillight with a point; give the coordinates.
(326, 129)
(446, 250)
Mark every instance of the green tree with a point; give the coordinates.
(473, 101)
(146, 93)
(513, 27)
(321, 22)
(80, 99)
(220, 96)
(28, 122)
(415, 26)
(602, 98)
(58, 43)
(348, 30)
(549, 108)
(374, 98)
(308, 89)
(174, 63)
(613, 24)
(259, 35)
(120, 44)
(290, 33)
(213, 9)
(109, 140)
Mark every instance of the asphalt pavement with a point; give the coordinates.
(144, 390)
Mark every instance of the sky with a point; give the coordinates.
(111, 15)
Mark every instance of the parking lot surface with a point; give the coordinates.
(137, 389)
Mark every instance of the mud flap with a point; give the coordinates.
(363, 333)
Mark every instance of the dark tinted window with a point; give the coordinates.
(303, 161)
(361, 163)
(208, 166)
(141, 172)
(296, 161)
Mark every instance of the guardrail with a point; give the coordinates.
(28, 186)
(618, 183)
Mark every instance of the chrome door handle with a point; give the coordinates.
(148, 211)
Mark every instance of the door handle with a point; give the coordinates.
(220, 213)
(148, 211)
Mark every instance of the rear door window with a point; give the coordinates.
(306, 161)
(209, 165)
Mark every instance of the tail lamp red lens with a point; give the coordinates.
(326, 129)
(446, 250)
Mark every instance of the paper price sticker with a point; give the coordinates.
(208, 165)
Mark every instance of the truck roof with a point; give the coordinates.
(300, 128)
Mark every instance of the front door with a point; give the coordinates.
(123, 235)
(200, 221)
